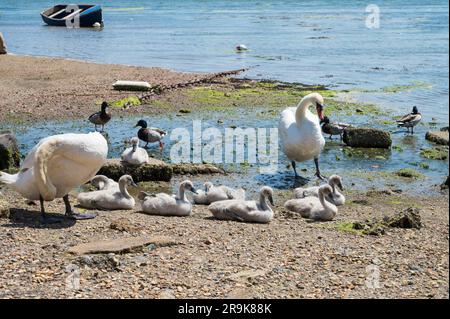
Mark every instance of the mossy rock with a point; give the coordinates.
(4, 209)
(408, 218)
(435, 153)
(9, 151)
(367, 137)
(438, 137)
(155, 170)
(409, 173)
(196, 169)
(445, 184)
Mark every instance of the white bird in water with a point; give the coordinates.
(135, 155)
(300, 131)
(241, 47)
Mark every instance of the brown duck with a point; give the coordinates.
(333, 128)
(100, 118)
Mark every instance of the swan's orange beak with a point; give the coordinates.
(319, 109)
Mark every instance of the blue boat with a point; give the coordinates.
(73, 15)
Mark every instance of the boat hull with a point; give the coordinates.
(57, 16)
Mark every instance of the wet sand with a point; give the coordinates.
(40, 88)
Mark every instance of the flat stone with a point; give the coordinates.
(155, 170)
(438, 137)
(125, 225)
(121, 245)
(9, 151)
(4, 209)
(367, 137)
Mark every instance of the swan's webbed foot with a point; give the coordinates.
(70, 213)
(79, 216)
(321, 177)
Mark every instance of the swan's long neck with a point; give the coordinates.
(325, 203)
(124, 190)
(263, 202)
(302, 108)
(182, 193)
(333, 187)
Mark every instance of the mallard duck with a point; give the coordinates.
(336, 198)
(55, 166)
(300, 132)
(212, 194)
(410, 120)
(150, 134)
(245, 211)
(110, 198)
(135, 155)
(313, 207)
(333, 128)
(168, 205)
(100, 118)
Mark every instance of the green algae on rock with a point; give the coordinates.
(252, 93)
(409, 173)
(435, 153)
(130, 101)
(9, 151)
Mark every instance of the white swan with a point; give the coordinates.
(313, 207)
(102, 182)
(335, 197)
(300, 131)
(110, 199)
(168, 205)
(135, 155)
(213, 194)
(56, 165)
(245, 211)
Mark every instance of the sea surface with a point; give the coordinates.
(402, 63)
(324, 42)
